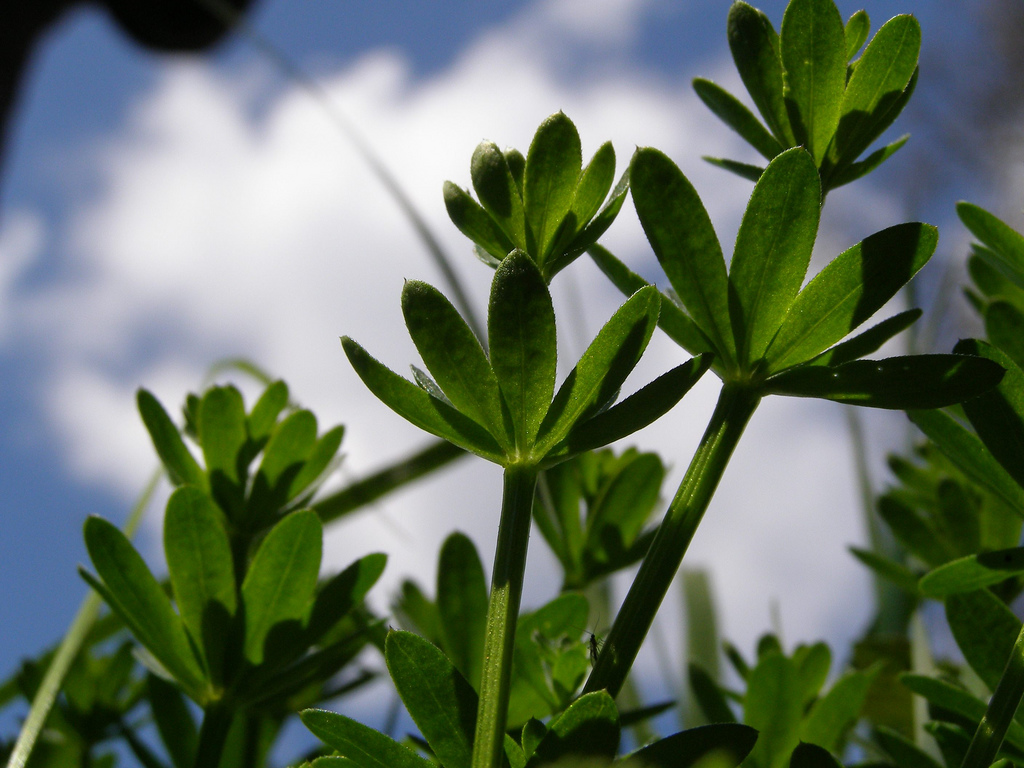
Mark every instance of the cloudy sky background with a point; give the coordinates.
(158, 214)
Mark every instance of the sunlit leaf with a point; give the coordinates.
(462, 604)
(181, 466)
(364, 746)
(475, 223)
(755, 49)
(733, 113)
(498, 193)
(553, 165)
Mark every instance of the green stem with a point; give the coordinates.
(70, 646)
(735, 407)
(502, 613)
(213, 734)
(1001, 709)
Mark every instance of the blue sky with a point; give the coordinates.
(158, 213)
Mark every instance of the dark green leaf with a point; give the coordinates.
(709, 696)
(1004, 326)
(835, 713)
(773, 249)
(731, 111)
(222, 431)
(848, 173)
(181, 466)
(743, 170)
(848, 291)
(462, 605)
(134, 594)
(264, 414)
(287, 450)
(899, 383)
(601, 370)
(553, 165)
(914, 531)
(635, 412)
(279, 585)
(685, 243)
(1005, 245)
(774, 706)
(672, 319)
(343, 592)
(998, 415)
(317, 462)
(498, 193)
(985, 629)
(813, 663)
(521, 330)
(474, 222)
(415, 405)
(857, 28)
(868, 341)
(173, 721)
(619, 514)
(589, 235)
(873, 97)
(897, 573)
(595, 181)
(903, 751)
(588, 728)
(201, 569)
(812, 756)
(361, 744)
(440, 701)
(813, 49)
(454, 357)
(723, 744)
(973, 572)
(755, 49)
(968, 453)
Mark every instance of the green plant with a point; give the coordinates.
(247, 630)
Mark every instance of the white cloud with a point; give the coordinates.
(21, 241)
(217, 233)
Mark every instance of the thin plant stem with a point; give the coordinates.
(1001, 709)
(502, 614)
(213, 734)
(70, 646)
(736, 404)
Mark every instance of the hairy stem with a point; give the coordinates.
(502, 613)
(735, 407)
(1001, 709)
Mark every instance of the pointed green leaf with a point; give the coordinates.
(773, 249)
(998, 415)
(438, 698)
(723, 745)
(553, 166)
(835, 713)
(897, 573)
(601, 370)
(643, 407)
(624, 506)
(985, 629)
(595, 181)
(973, 572)
(813, 48)
(201, 569)
(521, 331)
(173, 721)
(877, 85)
(680, 232)
(755, 49)
(991, 281)
(281, 578)
(588, 728)
(868, 341)
(854, 171)
(812, 756)
(222, 430)
(288, 448)
(415, 405)
(474, 222)
(454, 357)
(1005, 245)
(915, 531)
(1004, 326)
(709, 696)
(361, 744)
(498, 193)
(135, 595)
(343, 592)
(733, 113)
(968, 453)
(898, 383)
(317, 462)
(856, 32)
(848, 291)
(813, 663)
(590, 233)
(264, 414)
(462, 604)
(903, 751)
(673, 320)
(181, 466)
(774, 706)
(743, 170)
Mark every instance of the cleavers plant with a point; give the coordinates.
(246, 632)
